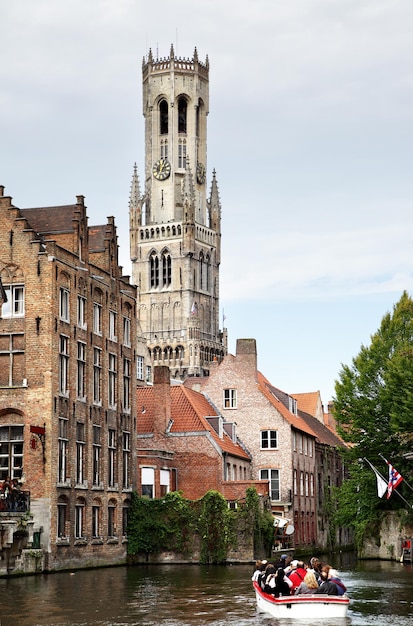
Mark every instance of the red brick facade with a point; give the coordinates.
(67, 369)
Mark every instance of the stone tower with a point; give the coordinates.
(175, 229)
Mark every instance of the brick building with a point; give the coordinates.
(185, 444)
(281, 442)
(67, 388)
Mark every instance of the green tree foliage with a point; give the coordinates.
(214, 527)
(374, 412)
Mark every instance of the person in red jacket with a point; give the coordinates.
(297, 574)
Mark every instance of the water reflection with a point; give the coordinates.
(172, 595)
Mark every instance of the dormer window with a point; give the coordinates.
(292, 405)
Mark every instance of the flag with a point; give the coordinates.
(381, 485)
(394, 479)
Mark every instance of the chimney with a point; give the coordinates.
(247, 352)
(161, 398)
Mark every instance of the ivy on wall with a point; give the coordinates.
(175, 524)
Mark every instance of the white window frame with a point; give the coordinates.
(148, 482)
(81, 312)
(81, 370)
(112, 380)
(140, 361)
(127, 332)
(267, 437)
(14, 307)
(112, 325)
(111, 457)
(274, 478)
(64, 304)
(229, 398)
(97, 376)
(97, 318)
(63, 365)
(62, 454)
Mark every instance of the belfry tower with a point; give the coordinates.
(175, 230)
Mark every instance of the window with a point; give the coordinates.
(165, 481)
(79, 519)
(301, 483)
(96, 455)
(64, 305)
(80, 452)
(111, 457)
(11, 452)
(126, 332)
(292, 405)
(166, 269)
(164, 149)
(182, 109)
(306, 484)
(14, 307)
(154, 270)
(139, 367)
(12, 365)
(96, 521)
(269, 440)
(97, 318)
(273, 475)
(62, 447)
(112, 326)
(81, 312)
(61, 517)
(148, 374)
(148, 482)
(97, 375)
(111, 519)
(312, 485)
(125, 519)
(126, 459)
(230, 398)
(163, 117)
(63, 365)
(112, 378)
(81, 370)
(295, 482)
(126, 384)
(182, 154)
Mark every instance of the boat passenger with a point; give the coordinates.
(297, 574)
(327, 586)
(259, 570)
(334, 577)
(315, 566)
(309, 584)
(278, 584)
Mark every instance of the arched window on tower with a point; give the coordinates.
(163, 117)
(208, 272)
(182, 110)
(201, 270)
(166, 269)
(154, 270)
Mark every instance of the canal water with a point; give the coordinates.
(190, 595)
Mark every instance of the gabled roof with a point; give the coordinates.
(189, 410)
(308, 402)
(324, 435)
(275, 396)
(97, 236)
(51, 220)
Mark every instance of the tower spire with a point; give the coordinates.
(135, 212)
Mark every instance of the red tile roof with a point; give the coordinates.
(270, 393)
(189, 410)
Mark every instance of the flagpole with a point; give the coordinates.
(382, 477)
(405, 481)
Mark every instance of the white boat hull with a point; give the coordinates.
(317, 606)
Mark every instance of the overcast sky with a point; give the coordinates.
(310, 132)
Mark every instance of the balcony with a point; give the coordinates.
(14, 502)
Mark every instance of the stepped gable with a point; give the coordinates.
(189, 410)
(97, 236)
(278, 400)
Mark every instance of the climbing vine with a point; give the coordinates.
(176, 524)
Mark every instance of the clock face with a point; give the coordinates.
(200, 173)
(162, 169)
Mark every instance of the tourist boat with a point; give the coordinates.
(317, 606)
